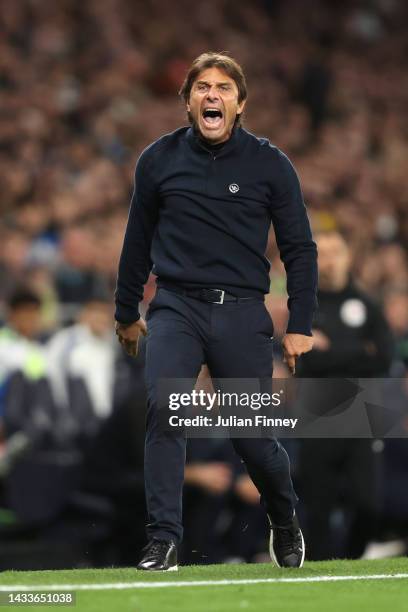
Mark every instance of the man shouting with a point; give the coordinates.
(204, 199)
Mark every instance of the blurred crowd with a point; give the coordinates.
(85, 86)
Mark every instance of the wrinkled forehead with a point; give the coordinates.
(214, 75)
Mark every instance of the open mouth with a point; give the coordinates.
(212, 117)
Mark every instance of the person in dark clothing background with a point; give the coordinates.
(204, 200)
(351, 340)
(351, 335)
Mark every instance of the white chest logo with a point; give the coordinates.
(234, 188)
(353, 313)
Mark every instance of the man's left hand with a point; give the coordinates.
(295, 345)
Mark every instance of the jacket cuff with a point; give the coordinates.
(300, 319)
(126, 314)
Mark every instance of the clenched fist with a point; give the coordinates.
(128, 335)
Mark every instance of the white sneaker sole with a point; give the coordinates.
(174, 568)
(272, 552)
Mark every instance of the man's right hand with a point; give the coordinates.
(128, 335)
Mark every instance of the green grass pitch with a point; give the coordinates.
(384, 591)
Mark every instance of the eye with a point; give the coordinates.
(225, 87)
(201, 86)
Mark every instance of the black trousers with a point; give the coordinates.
(235, 340)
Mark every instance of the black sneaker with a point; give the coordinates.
(159, 555)
(286, 545)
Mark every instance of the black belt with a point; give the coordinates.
(214, 296)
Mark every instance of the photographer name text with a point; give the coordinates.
(257, 420)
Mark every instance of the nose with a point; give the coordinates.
(212, 94)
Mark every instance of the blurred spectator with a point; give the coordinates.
(351, 340)
(19, 353)
(24, 314)
(82, 365)
(20, 350)
(351, 336)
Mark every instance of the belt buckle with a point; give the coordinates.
(221, 300)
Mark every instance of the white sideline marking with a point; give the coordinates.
(189, 583)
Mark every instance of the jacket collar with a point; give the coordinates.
(199, 145)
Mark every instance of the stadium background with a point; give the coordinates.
(84, 87)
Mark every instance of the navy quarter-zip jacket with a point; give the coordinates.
(200, 217)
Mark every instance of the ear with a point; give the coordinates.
(240, 108)
(188, 107)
